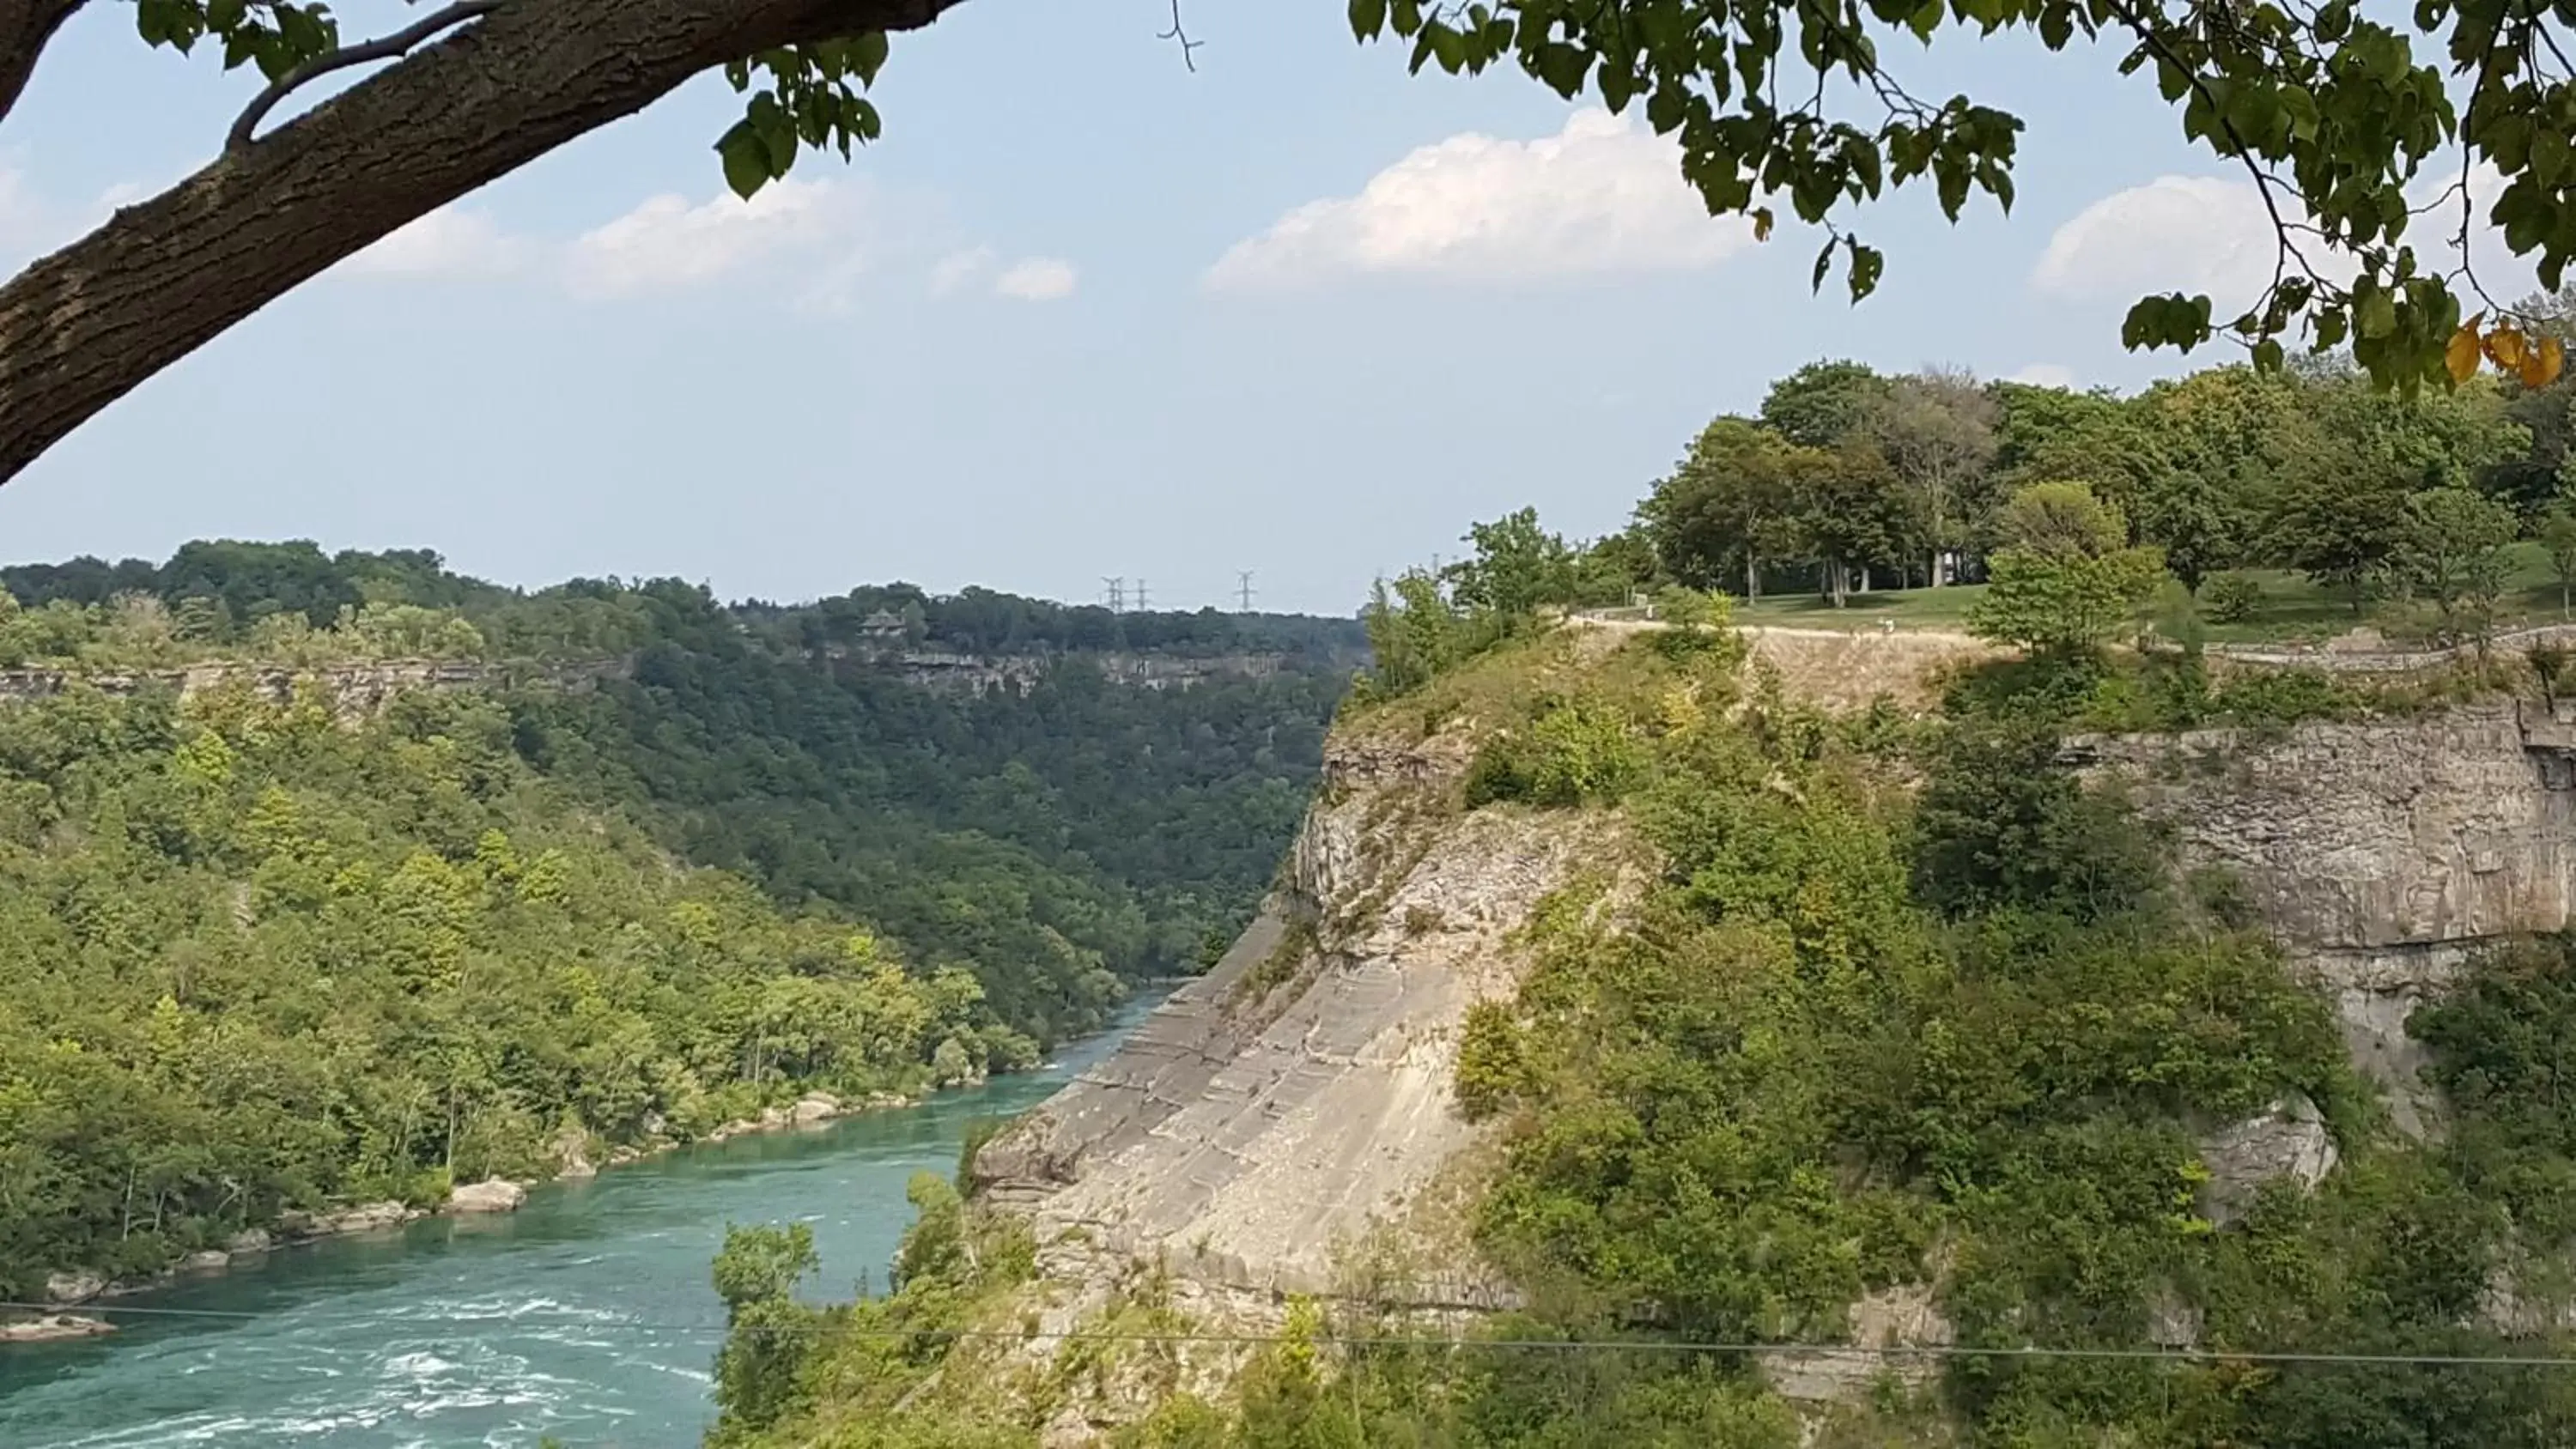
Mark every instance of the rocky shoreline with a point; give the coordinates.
(493, 1195)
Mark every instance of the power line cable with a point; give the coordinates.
(1545, 1345)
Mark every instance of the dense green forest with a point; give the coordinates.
(1908, 1009)
(261, 953)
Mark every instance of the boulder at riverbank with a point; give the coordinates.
(492, 1195)
(54, 1328)
(75, 1287)
(811, 1110)
(364, 1218)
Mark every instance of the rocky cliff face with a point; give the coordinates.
(2381, 854)
(976, 673)
(1297, 1100)
(356, 688)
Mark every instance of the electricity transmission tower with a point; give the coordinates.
(1243, 588)
(1141, 604)
(1117, 594)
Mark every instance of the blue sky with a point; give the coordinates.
(1081, 312)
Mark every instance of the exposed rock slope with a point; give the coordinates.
(1298, 1097)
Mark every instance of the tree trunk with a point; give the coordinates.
(1752, 578)
(81, 328)
(25, 28)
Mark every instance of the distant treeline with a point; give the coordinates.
(220, 591)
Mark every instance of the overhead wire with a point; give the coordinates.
(1419, 1341)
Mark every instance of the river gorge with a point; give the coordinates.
(586, 1315)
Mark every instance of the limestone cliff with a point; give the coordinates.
(1296, 1105)
(356, 687)
(2382, 854)
(1297, 1100)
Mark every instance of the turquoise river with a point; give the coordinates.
(586, 1315)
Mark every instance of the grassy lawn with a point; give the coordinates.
(1942, 609)
(2292, 610)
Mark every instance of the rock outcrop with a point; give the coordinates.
(492, 1195)
(70, 1288)
(2382, 854)
(1882, 1324)
(357, 688)
(1297, 1099)
(2287, 1141)
(363, 1218)
(53, 1328)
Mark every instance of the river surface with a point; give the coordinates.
(586, 1315)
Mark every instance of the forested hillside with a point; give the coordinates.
(260, 953)
(1884, 1078)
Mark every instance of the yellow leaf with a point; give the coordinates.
(2461, 357)
(2504, 347)
(1762, 223)
(2541, 361)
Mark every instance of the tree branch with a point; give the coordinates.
(2264, 181)
(401, 41)
(1177, 33)
(26, 27)
(81, 328)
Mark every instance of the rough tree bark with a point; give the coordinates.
(25, 27)
(84, 326)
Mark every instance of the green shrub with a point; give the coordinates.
(2002, 825)
(2548, 666)
(1574, 752)
(2231, 597)
(1489, 1060)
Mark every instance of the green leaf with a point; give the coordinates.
(1866, 264)
(1824, 263)
(746, 159)
(1448, 46)
(868, 56)
(2144, 326)
(1950, 175)
(1997, 181)
(2374, 314)
(1368, 17)
(2267, 355)
(1615, 83)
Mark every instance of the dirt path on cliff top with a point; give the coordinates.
(1843, 668)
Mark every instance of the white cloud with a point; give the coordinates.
(666, 244)
(1602, 195)
(2436, 230)
(2209, 234)
(448, 242)
(2176, 233)
(1036, 279)
(958, 268)
(2045, 374)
